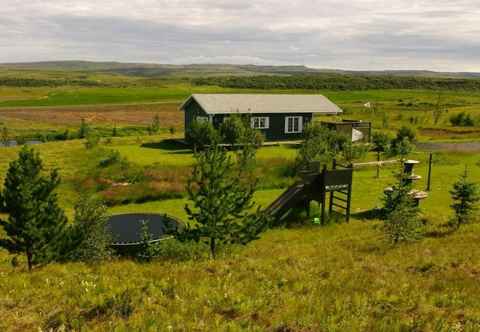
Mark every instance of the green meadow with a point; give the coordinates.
(304, 277)
(334, 278)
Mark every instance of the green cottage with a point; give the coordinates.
(279, 117)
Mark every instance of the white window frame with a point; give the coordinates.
(290, 126)
(260, 122)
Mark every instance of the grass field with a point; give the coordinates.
(335, 278)
(63, 107)
(339, 277)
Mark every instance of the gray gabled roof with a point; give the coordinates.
(259, 103)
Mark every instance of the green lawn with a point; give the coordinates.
(341, 277)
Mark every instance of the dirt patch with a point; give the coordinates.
(169, 114)
(451, 147)
(450, 133)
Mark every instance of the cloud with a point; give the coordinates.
(355, 34)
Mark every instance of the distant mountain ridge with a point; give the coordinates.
(159, 70)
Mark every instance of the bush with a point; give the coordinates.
(400, 210)
(352, 152)
(403, 224)
(462, 120)
(232, 129)
(320, 145)
(402, 144)
(406, 132)
(202, 134)
(112, 158)
(88, 238)
(465, 196)
(92, 140)
(381, 142)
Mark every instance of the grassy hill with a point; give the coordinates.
(154, 69)
(304, 278)
(337, 277)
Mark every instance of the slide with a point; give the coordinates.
(286, 201)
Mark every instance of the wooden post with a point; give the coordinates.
(323, 203)
(378, 164)
(349, 199)
(323, 207)
(330, 202)
(429, 176)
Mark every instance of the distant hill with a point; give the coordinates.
(196, 70)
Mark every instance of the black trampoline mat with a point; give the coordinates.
(127, 228)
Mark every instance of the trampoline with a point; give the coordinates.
(126, 229)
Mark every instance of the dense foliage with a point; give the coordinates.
(339, 82)
(34, 82)
(88, 239)
(36, 224)
(320, 145)
(462, 119)
(202, 134)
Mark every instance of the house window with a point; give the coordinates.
(202, 119)
(260, 122)
(293, 124)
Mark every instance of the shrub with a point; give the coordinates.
(147, 250)
(92, 140)
(402, 145)
(112, 158)
(465, 196)
(84, 129)
(406, 132)
(202, 134)
(155, 125)
(88, 238)
(462, 119)
(232, 129)
(4, 136)
(351, 152)
(402, 222)
(381, 142)
(320, 145)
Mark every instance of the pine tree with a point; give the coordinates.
(83, 130)
(4, 136)
(35, 223)
(221, 203)
(465, 196)
(402, 222)
(155, 126)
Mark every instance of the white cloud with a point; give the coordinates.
(355, 34)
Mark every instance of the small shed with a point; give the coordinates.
(278, 116)
(356, 130)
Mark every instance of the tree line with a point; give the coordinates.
(339, 82)
(35, 82)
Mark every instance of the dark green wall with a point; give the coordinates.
(276, 131)
(192, 110)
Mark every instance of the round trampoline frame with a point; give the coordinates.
(130, 234)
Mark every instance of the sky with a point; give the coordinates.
(442, 35)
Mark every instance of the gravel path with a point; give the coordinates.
(451, 147)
